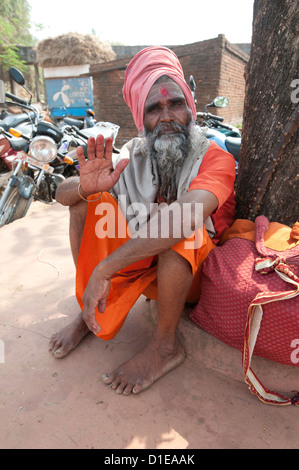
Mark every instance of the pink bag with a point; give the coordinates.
(249, 300)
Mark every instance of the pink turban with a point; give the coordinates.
(143, 71)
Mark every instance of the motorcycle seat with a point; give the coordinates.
(106, 131)
(74, 122)
(15, 120)
(18, 144)
(233, 145)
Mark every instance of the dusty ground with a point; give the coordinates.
(63, 404)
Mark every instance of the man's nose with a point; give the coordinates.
(166, 115)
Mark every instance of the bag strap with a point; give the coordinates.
(253, 323)
(255, 315)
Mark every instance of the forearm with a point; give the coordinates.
(67, 192)
(152, 238)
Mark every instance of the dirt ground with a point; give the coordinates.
(48, 403)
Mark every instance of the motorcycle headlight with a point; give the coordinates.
(43, 149)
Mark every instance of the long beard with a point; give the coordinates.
(168, 151)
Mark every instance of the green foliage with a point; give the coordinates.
(14, 31)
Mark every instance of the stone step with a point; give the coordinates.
(202, 347)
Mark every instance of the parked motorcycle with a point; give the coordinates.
(44, 155)
(226, 136)
(24, 122)
(81, 123)
(34, 163)
(7, 157)
(34, 176)
(21, 120)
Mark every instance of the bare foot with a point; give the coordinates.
(68, 338)
(140, 372)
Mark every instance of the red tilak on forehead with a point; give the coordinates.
(163, 91)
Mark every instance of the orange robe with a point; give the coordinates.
(129, 283)
(216, 174)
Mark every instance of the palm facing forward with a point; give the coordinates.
(96, 173)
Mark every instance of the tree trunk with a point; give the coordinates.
(268, 180)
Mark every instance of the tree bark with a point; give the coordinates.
(268, 179)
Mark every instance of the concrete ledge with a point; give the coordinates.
(221, 358)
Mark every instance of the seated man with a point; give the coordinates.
(170, 163)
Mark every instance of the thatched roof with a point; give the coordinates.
(73, 49)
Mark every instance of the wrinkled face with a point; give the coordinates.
(166, 134)
(166, 104)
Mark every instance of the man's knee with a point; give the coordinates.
(172, 256)
(78, 213)
(170, 259)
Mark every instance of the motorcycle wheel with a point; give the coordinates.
(15, 207)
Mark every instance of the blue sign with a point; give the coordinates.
(69, 96)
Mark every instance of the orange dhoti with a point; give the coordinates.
(106, 230)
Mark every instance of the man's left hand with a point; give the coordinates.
(95, 296)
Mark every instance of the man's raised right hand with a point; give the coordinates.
(96, 173)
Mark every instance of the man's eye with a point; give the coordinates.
(177, 104)
(153, 109)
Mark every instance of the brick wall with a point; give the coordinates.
(232, 82)
(203, 61)
(109, 104)
(218, 70)
(216, 65)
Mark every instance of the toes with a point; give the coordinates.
(108, 378)
(141, 384)
(54, 343)
(56, 348)
(128, 389)
(51, 342)
(137, 389)
(123, 388)
(118, 383)
(120, 388)
(59, 353)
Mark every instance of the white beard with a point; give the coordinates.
(169, 151)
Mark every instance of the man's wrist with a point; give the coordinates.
(103, 270)
(83, 194)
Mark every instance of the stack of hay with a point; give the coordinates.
(73, 49)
